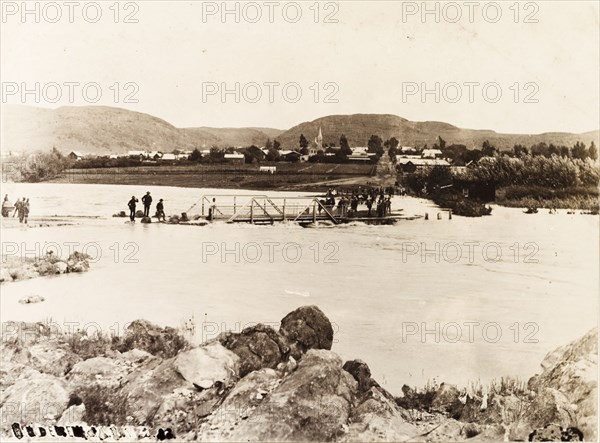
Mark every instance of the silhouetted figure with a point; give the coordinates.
(211, 210)
(160, 210)
(147, 201)
(17, 206)
(131, 206)
(5, 206)
(25, 211)
(369, 206)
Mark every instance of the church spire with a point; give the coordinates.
(319, 139)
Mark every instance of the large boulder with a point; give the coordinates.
(257, 346)
(377, 417)
(361, 373)
(157, 395)
(78, 262)
(312, 403)
(306, 328)
(572, 370)
(550, 406)
(50, 358)
(34, 398)
(208, 365)
(239, 404)
(103, 371)
(143, 335)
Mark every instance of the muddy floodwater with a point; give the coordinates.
(457, 300)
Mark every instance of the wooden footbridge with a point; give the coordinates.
(263, 209)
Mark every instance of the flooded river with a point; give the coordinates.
(457, 300)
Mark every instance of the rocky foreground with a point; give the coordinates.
(262, 384)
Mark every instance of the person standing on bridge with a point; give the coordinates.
(212, 209)
(147, 201)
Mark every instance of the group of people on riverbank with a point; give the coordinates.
(21, 207)
(147, 202)
(348, 201)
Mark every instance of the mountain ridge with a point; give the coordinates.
(107, 130)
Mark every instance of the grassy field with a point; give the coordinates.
(300, 176)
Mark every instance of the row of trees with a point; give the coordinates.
(552, 173)
(555, 172)
(528, 171)
(460, 155)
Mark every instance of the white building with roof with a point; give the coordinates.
(431, 153)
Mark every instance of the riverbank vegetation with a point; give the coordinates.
(563, 179)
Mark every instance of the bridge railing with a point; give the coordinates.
(260, 207)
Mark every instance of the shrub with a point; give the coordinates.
(103, 406)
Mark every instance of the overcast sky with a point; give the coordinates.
(375, 59)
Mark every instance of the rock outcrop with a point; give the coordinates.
(208, 366)
(307, 328)
(568, 385)
(262, 384)
(16, 269)
(257, 346)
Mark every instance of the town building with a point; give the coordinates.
(75, 155)
(431, 153)
(235, 158)
(412, 164)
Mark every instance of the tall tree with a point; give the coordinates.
(375, 144)
(344, 146)
(442, 143)
(276, 144)
(520, 150)
(487, 149)
(196, 156)
(579, 151)
(593, 151)
(303, 142)
(392, 145)
(273, 155)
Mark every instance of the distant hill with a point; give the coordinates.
(359, 127)
(106, 130)
(226, 137)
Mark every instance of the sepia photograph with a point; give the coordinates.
(283, 221)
